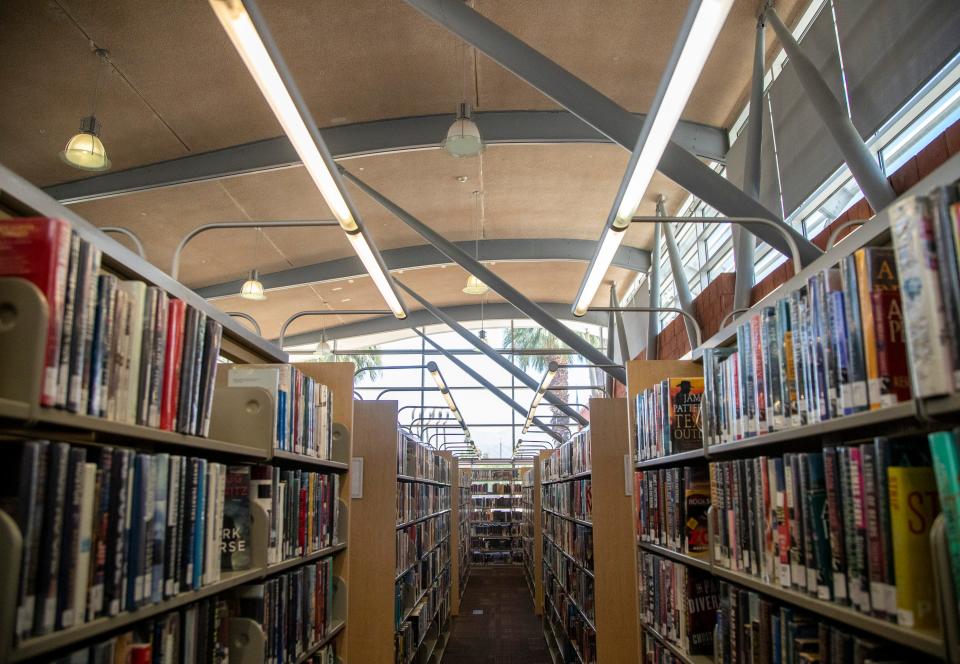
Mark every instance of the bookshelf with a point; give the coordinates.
(390, 594)
(239, 436)
(532, 532)
(495, 512)
(587, 516)
(460, 572)
(859, 431)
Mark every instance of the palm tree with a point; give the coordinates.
(362, 360)
(527, 338)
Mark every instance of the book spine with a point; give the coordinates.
(161, 474)
(883, 460)
(45, 615)
(931, 366)
(875, 552)
(913, 507)
(860, 531)
(70, 539)
(838, 559)
(69, 313)
(857, 370)
(33, 473)
(945, 452)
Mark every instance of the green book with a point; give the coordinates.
(945, 450)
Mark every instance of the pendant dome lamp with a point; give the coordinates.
(463, 138)
(85, 149)
(252, 288)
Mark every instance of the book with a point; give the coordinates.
(30, 511)
(931, 363)
(45, 615)
(236, 543)
(945, 452)
(913, 506)
(38, 249)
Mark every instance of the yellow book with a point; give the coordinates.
(913, 507)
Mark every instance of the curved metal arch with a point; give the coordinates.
(130, 235)
(247, 317)
(368, 138)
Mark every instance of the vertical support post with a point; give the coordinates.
(653, 285)
(679, 276)
(863, 165)
(621, 330)
(611, 347)
(744, 242)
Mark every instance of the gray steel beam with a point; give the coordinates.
(366, 138)
(498, 285)
(684, 296)
(494, 390)
(601, 112)
(653, 286)
(421, 317)
(611, 346)
(861, 162)
(620, 327)
(744, 243)
(491, 352)
(425, 255)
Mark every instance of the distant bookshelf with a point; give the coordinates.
(496, 512)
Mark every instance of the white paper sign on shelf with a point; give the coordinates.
(356, 477)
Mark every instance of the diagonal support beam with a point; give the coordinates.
(679, 276)
(653, 285)
(523, 304)
(494, 390)
(861, 162)
(603, 114)
(490, 352)
(744, 243)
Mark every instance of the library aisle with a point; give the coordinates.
(497, 624)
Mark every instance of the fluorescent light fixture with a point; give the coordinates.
(445, 392)
(603, 256)
(699, 32)
(247, 30)
(542, 388)
(363, 250)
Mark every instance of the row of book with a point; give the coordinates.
(851, 339)
(303, 407)
(295, 610)
(565, 617)
(108, 530)
(573, 499)
(494, 528)
(752, 628)
(302, 508)
(494, 516)
(574, 539)
(115, 349)
(678, 602)
(416, 500)
(413, 542)
(416, 460)
(668, 418)
(483, 557)
(496, 501)
(499, 488)
(196, 634)
(413, 625)
(480, 474)
(671, 508)
(571, 458)
(850, 524)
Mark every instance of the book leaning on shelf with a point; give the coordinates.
(849, 525)
(120, 350)
(303, 408)
(668, 418)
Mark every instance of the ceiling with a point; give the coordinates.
(176, 87)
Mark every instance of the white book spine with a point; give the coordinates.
(85, 542)
(931, 367)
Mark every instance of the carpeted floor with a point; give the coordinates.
(496, 624)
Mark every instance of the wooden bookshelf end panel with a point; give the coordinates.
(614, 544)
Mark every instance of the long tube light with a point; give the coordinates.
(447, 396)
(545, 382)
(698, 33)
(243, 23)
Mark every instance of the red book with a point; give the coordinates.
(891, 344)
(38, 249)
(176, 311)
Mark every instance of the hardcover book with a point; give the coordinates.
(235, 543)
(685, 427)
